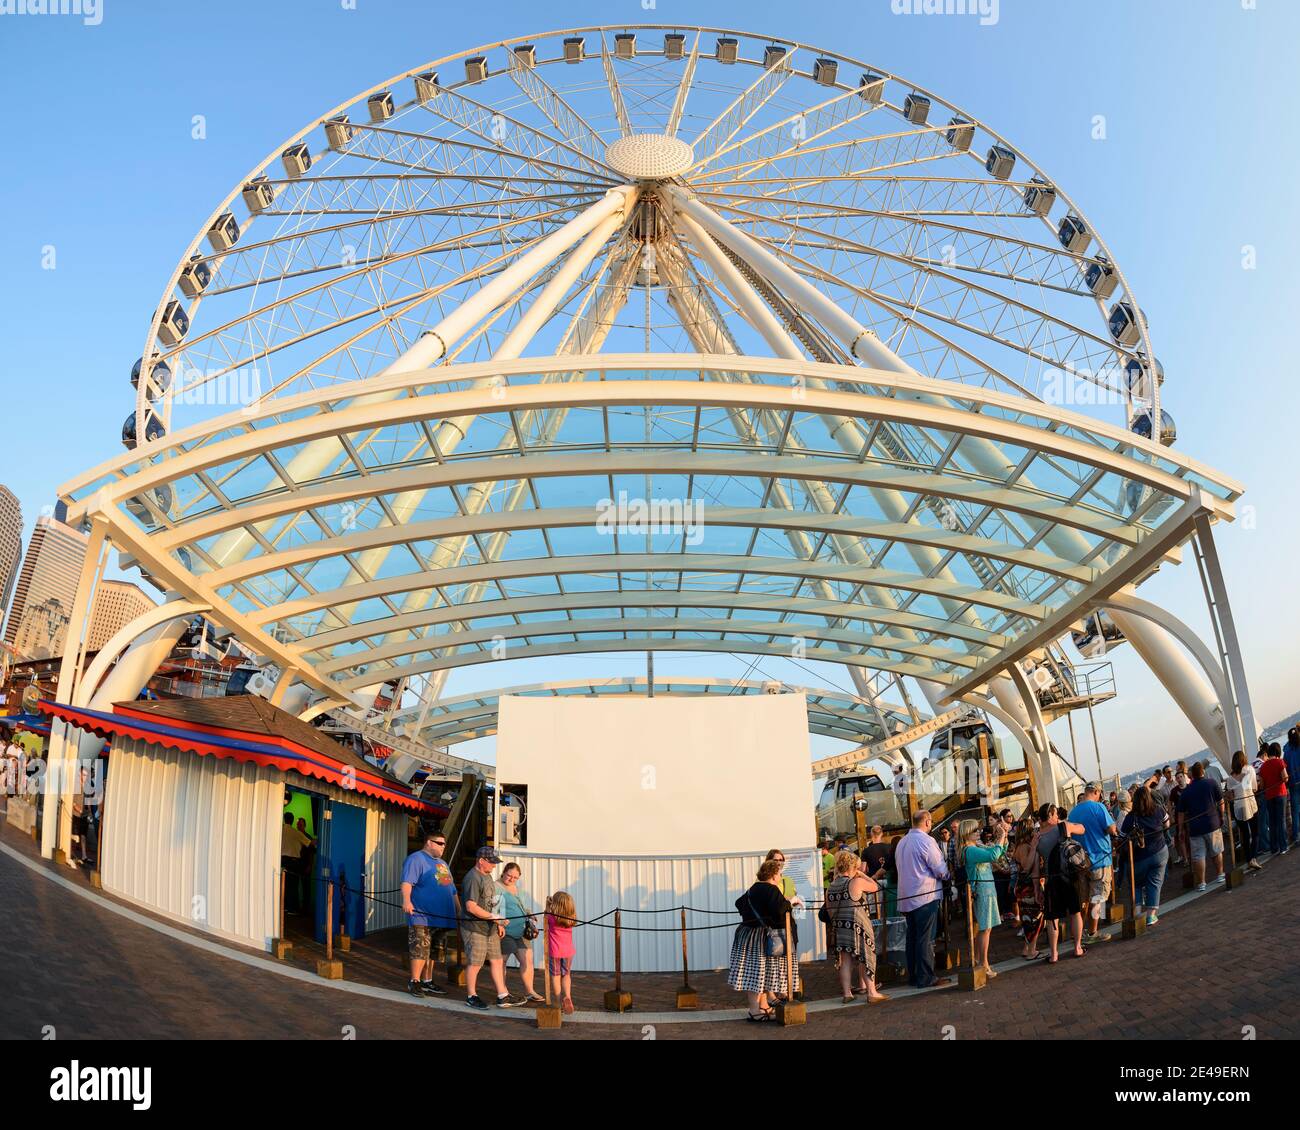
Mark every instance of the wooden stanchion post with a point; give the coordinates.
(58, 855)
(456, 969)
(280, 945)
(548, 1014)
(1134, 925)
(687, 998)
(950, 960)
(1115, 911)
(616, 1000)
(328, 967)
(790, 1012)
(343, 940)
(887, 972)
(1235, 875)
(972, 979)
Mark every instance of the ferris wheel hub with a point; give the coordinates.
(649, 156)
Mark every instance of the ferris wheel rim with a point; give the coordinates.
(153, 350)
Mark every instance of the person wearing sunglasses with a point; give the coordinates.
(432, 909)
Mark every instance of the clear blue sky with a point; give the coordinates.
(1199, 161)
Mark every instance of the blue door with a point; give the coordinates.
(343, 859)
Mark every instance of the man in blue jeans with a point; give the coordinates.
(921, 869)
(1291, 756)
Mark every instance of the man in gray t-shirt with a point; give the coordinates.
(482, 929)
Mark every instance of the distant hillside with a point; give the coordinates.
(1275, 733)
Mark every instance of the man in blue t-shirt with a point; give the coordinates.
(1098, 827)
(1198, 814)
(432, 910)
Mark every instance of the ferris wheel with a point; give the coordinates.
(383, 216)
(403, 368)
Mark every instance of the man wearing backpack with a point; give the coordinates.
(1098, 827)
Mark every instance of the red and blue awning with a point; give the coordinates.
(270, 750)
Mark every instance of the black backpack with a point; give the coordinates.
(1071, 860)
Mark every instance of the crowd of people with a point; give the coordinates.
(1049, 867)
(1057, 865)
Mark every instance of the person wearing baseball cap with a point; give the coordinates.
(1098, 828)
(482, 929)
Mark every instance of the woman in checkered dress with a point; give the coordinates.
(761, 978)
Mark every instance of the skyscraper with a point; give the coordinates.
(117, 603)
(11, 543)
(46, 589)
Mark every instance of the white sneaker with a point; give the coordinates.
(1221, 879)
(1200, 886)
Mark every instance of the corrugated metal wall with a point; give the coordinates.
(385, 854)
(195, 838)
(643, 883)
(198, 839)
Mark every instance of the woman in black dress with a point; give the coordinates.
(752, 970)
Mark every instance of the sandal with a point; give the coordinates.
(568, 1006)
(879, 998)
(846, 1000)
(760, 1018)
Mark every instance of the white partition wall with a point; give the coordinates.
(650, 804)
(194, 838)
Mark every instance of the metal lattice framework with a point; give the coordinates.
(825, 314)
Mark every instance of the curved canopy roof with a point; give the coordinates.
(831, 713)
(743, 564)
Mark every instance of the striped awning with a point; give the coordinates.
(275, 752)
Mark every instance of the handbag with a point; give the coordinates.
(773, 939)
(530, 929)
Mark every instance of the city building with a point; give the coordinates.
(11, 543)
(117, 603)
(46, 588)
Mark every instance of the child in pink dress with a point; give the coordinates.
(561, 917)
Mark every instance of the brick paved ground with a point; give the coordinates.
(1218, 964)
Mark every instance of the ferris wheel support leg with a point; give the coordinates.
(1216, 596)
(124, 639)
(756, 311)
(1039, 761)
(862, 342)
(63, 750)
(1152, 631)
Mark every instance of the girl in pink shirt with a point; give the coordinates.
(561, 917)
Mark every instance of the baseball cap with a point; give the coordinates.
(489, 853)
